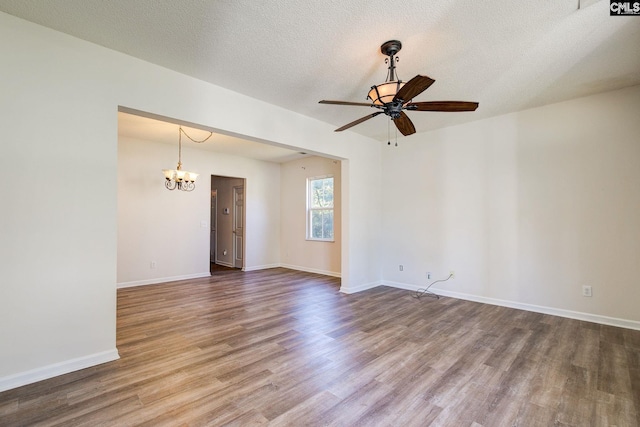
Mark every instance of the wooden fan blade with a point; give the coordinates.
(413, 88)
(357, 122)
(363, 104)
(442, 106)
(404, 124)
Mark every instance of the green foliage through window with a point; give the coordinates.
(320, 208)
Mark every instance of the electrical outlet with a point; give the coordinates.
(428, 275)
(401, 267)
(152, 265)
(587, 291)
(452, 274)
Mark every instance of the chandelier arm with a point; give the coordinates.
(188, 186)
(170, 185)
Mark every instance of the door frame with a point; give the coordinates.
(220, 205)
(213, 226)
(238, 259)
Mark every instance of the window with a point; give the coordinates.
(320, 208)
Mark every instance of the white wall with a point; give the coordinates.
(298, 252)
(155, 224)
(526, 208)
(58, 112)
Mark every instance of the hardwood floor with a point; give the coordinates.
(285, 348)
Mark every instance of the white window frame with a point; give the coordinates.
(311, 209)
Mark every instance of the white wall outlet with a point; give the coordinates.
(452, 274)
(401, 267)
(152, 265)
(587, 291)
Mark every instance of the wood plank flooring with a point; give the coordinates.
(285, 348)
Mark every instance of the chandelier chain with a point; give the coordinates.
(180, 132)
(197, 142)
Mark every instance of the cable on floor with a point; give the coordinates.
(426, 292)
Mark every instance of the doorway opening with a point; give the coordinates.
(227, 240)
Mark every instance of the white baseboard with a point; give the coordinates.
(162, 280)
(311, 270)
(587, 317)
(208, 274)
(50, 371)
(261, 267)
(359, 288)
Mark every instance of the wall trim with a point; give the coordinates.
(587, 317)
(261, 267)
(162, 280)
(311, 270)
(61, 368)
(359, 288)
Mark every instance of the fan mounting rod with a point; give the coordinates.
(390, 49)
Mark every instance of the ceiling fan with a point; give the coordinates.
(394, 96)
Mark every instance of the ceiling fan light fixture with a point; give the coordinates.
(394, 96)
(384, 93)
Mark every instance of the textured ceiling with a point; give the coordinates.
(507, 55)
